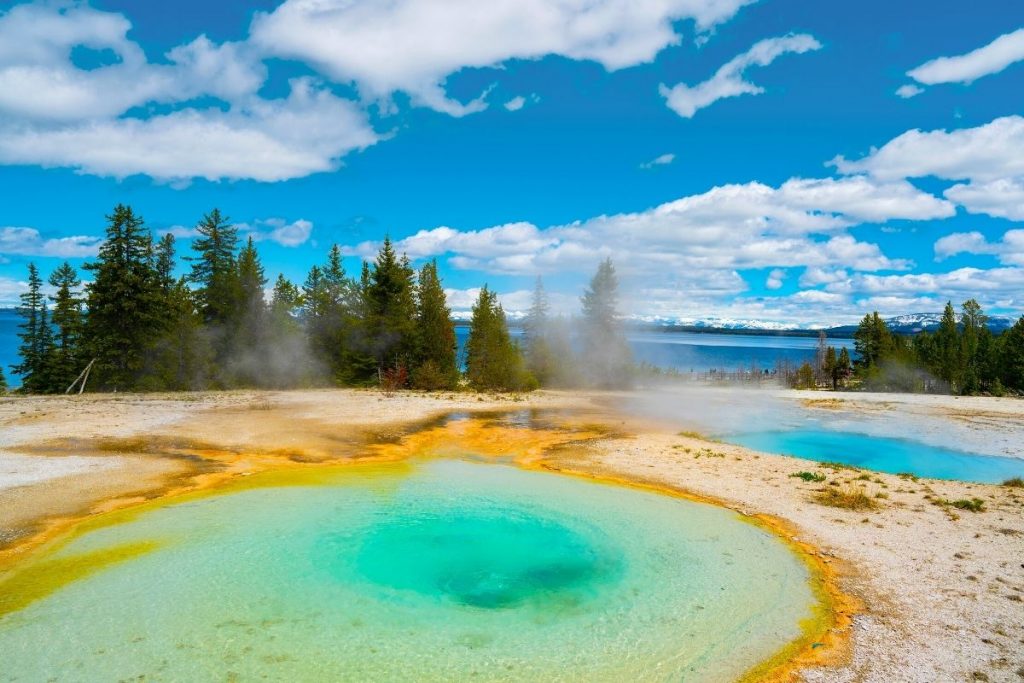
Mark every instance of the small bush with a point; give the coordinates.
(1015, 482)
(907, 475)
(809, 476)
(972, 505)
(849, 498)
(430, 377)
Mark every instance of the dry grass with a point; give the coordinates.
(848, 498)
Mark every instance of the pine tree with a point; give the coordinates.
(337, 338)
(181, 358)
(537, 333)
(390, 319)
(68, 318)
(828, 368)
(1011, 357)
(606, 354)
(124, 301)
(3, 383)
(248, 353)
(36, 347)
(213, 268)
(974, 323)
(165, 264)
(947, 340)
(436, 363)
(843, 367)
(493, 360)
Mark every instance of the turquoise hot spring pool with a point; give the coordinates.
(883, 454)
(434, 570)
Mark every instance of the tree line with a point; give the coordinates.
(962, 356)
(137, 327)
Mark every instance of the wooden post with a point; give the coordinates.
(83, 376)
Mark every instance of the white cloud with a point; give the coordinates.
(10, 290)
(989, 157)
(1003, 197)
(180, 232)
(54, 113)
(39, 81)
(661, 160)
(729, 80)
(988, 152)
(266, 140)
(984, 61)
(23, 241)
(278, 230)
(801, 223)
(908, 91)
(1010, 249)
(413, 46)
(775, 279)
(815, 276)
(516, 103)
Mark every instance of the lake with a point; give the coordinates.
(682, 351)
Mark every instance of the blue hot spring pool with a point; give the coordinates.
(883, 454)
(436, 570)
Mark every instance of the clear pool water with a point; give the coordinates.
(443, 570)
(883, 454)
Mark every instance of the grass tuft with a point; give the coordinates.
(836, 466)
(848, 498)
(809, 476)
(1015, 482)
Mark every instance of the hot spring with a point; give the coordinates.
(430, 569)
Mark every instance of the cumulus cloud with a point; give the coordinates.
(267, 140)
(992, 151)
(801, 223)
(661, 160)
(10, 290)
(1003, 198)
(278, 230)
(729, 80)
(40, 82)
(55, 113)
(413, 46)
(1010, 249)
(989, 157)
(990, 59)
(23, 241)
(775, 279)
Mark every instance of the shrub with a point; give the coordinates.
(809, 476)
(1015, 482)
(430, 377)
(973, 505)
(849, 498)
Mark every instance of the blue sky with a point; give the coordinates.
(761, 160)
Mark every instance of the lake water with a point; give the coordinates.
(704, 351)
(682, 351)
(441, 570)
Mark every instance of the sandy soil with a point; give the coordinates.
(941, 589)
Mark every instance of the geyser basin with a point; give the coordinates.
(441, 570)
(883, 454)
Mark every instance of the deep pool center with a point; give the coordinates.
(427, 569)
